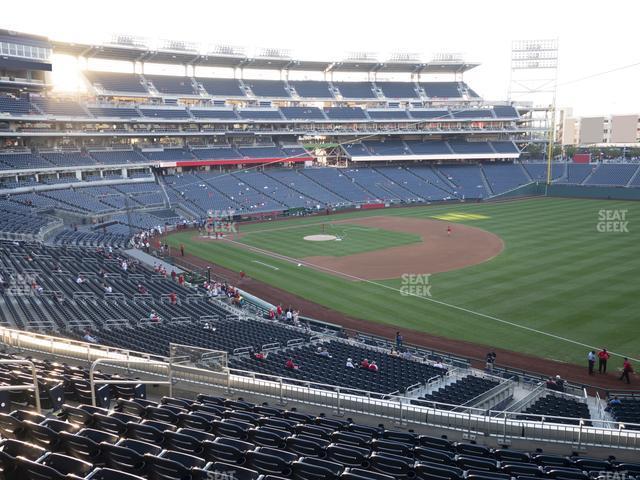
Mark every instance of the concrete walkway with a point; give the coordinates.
(150, 260)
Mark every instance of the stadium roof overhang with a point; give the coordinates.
(134, 53)
(448, 67)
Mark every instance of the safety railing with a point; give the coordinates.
(399, 409)
(527, 400)
(93, 382)
(28, 386)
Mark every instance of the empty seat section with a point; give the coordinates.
(355, 89)
(311, 88)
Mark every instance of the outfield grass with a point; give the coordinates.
(289, 239)
(557, 274)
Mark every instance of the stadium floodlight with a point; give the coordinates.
(404, 57)
(534, 77)
(274, 53)
(179, 45)
(231, 50)
(448, 57)
(130, 41)
(362, 57)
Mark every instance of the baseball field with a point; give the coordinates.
(548, 277)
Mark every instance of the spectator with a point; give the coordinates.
(373, 367)
(399, 340)
(290, 365)
(364, 364)
(153, 316)
(491, 360)
(322, 351)
(615, 401)
(260, 356)
(559, 383)
(80, 280)
(173, 298)
(350, 363)
(591, 360)
(87, 337)
(108, 289)
(271, 314)
(279, 311)
(141, 289)
(626, 370)
(603, 356)
(173, 275)
(393, 352)
(406, 355)
(289, 315)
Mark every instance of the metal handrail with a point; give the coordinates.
(34, 386)
(396, 407)
(93, 382)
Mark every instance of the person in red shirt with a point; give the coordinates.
(364, 363)
(290, 365)
(260, 356)
(272, 314)
(626, 370)
(181, 279)
(603, 356)
(373, 367)
(279, 311)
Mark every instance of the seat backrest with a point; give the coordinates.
(359, 474)
(109, 423)
(122, 458)
(41, 435)
(316, 469)
(227, 471)
(10, 427)
(159, 468)
(66, 464)
(348, 455)
(146, 433)
(111, 474)
(267, 463)
(75, 415)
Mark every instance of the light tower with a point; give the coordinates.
(534, 77)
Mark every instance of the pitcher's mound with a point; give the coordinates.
(319, 238)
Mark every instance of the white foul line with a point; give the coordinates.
(265, 264)
(430, 299)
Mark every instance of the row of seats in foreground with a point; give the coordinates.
(180, 439)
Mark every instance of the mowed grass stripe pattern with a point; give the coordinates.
(353, 239)
(557, 274)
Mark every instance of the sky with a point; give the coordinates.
(594, 37)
